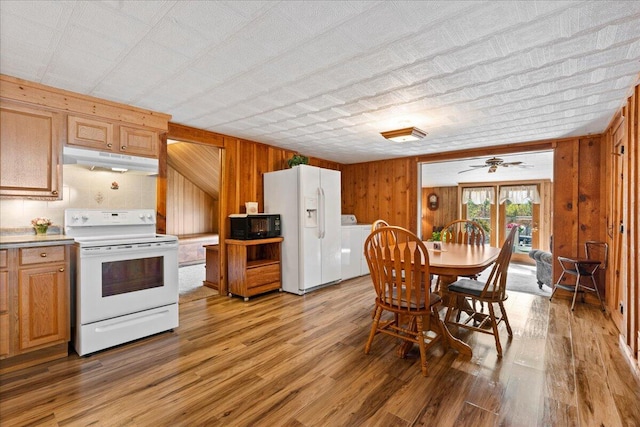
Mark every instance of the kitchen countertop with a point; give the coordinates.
(29, 240)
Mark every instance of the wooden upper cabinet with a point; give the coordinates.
(90, 133)
(105, 136)
(30, 144)
(137, 141)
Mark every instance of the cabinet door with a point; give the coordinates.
(4, 312)
(136, 141)
(44, 305)
(90, 133)
(30, 141)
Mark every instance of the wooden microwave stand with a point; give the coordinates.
(253, 266)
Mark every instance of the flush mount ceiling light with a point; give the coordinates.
(404, 135)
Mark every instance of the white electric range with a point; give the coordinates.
(126, 277)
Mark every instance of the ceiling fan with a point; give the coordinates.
(493, 164)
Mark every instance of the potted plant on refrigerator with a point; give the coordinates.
(298, 159)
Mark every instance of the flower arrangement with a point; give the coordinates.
(41, 221)
(515, 224)
(41, 224)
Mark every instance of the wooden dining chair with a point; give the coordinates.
(597, 257)
(398, 263)
(493, 292)
(379, 223)
(463, 231)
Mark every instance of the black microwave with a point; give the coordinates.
(255, 226)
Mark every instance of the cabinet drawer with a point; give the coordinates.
(3, 258)
(41, 254)
(264, 274)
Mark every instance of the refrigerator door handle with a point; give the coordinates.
(321, 225)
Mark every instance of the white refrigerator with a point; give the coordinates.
(308, 200)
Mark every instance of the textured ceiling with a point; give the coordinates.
(324, 78)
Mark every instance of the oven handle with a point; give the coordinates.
(141, 248)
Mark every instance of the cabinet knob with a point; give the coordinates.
(61, 270)
(109, 145)
(54, 192)
(124, 147)
(43, 254)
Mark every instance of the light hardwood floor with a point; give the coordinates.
(286, 360)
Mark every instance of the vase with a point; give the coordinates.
(41, 229)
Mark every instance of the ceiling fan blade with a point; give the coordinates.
(492, 169)
(468, 170)
(478, 166)
(511, 164)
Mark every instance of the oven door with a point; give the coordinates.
(122, 279)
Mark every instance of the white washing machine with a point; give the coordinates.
(353, 234)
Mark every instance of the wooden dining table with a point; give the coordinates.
(453, 260)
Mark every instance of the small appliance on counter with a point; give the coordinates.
(353, 235)
(254, 226)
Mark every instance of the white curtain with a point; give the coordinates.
(478, 195)
(520, 194)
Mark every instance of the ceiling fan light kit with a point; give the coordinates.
(404, 135)
(493, 164)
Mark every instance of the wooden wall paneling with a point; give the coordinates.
(546, 207)
(448, 205)
(190, 210)
(450, 208)
(405, 193)
(591, 222)
(623, 181)
(161, 186)
(384, 177)
(565, 207)
(535, 232)
(199, 163)
(222, 222)
(615, 184)
(632, 222)
(372, 208)
(262, 166)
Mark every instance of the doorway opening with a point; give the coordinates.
(516, 193)
(193, 210)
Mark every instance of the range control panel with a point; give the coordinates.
(99, 217)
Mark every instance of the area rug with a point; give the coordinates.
(191, 287)
(521, 278)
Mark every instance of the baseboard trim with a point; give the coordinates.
(628, 354)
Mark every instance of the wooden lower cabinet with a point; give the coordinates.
(43, 295)
(34, 322)
(4, 305)
(253, 266)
